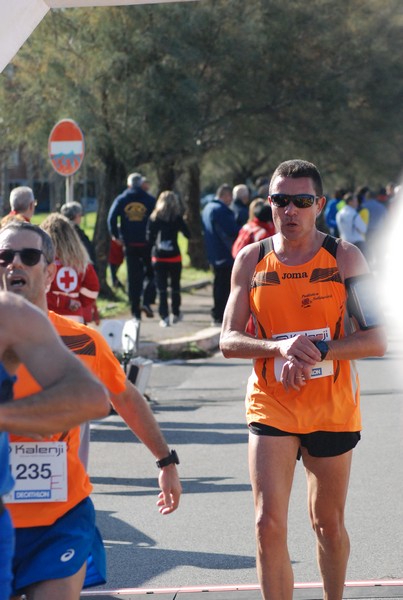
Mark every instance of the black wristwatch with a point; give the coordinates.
(322, 347)
(172, 458)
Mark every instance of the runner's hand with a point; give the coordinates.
(171, 489)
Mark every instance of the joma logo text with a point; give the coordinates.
(303, 275)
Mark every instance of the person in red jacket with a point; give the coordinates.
(75, 288)
(259, 226)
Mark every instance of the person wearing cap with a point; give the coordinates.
(127, 224)
(302, 398)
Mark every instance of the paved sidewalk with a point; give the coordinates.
(193, 337)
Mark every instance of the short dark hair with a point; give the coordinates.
(48, 248)
(348, 197)
(296, 169)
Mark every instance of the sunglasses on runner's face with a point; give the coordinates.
(299, 200)
(29, 256)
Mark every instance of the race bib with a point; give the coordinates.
(39, 470)
(320, 369)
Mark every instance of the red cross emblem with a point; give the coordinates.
(66, 279)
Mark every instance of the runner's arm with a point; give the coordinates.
(136, 412)
(360, 343)
(71, 395)
(234, 341)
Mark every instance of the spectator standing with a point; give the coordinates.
(390, 192)
(331, 212)
(73, 211)
(240, 203)
(351, 226)
(220, 230)
(262, 186)
(74, 290)
(145, 184)
(164, 224)
(22, 203)
(259, 226)
(377, 217)
(127, 223)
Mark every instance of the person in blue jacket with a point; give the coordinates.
(220, 230)
(127, 224)
(331, 211)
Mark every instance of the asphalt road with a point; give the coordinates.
(209, 541)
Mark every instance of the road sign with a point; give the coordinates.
(66, 147)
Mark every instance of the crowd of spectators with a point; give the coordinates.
(361, 217)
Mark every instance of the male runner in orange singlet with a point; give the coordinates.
(303, 395)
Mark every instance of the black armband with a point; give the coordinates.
(362, 301)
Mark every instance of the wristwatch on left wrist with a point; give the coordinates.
(323, 348)
(172, 458)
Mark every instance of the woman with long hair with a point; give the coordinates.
(164, 224)
(75, 287)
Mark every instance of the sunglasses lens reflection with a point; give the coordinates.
(299, 200)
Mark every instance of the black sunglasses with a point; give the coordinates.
(299, 200)
(29, 256)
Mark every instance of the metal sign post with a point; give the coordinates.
(69, 189)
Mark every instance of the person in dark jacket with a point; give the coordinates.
(127, 223)
(220, 230)
(163, 226)
(240, 203)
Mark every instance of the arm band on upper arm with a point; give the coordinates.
(362, 301)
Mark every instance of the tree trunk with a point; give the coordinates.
(166, 176)
(196, 249)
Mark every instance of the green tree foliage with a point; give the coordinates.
(215, 90)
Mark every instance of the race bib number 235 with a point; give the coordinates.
(39, 470)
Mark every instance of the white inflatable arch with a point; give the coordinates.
(18, 19)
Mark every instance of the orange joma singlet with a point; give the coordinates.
(309, 299)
